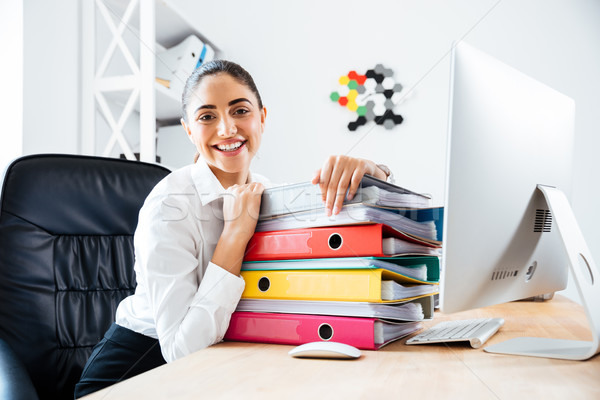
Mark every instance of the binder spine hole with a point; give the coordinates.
(325, 332)
(335, 241)
(264, 284)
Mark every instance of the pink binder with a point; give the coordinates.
(296, 329)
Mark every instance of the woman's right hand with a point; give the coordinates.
(241, 206)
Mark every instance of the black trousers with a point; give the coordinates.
(121, 354)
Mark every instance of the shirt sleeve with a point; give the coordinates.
(190, 314)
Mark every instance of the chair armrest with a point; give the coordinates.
(16, 383)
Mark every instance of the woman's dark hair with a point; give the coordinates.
(213, 68)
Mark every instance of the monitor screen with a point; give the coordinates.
(507, 134)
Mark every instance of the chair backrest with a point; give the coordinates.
(66, 258)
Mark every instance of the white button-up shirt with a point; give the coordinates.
(182, 298)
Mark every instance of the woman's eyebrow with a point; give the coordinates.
(232, 102)
(212, 107)
(205, 106)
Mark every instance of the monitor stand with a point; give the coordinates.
(586, 279)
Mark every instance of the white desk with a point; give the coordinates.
(260, 371)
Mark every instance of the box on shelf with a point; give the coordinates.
(174, 65)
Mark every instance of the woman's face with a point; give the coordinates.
(225, 123)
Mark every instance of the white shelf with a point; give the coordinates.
(168, 106)
(164, 26)
(172, 24)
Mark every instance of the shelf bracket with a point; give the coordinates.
(100, 91)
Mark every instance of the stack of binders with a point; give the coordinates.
(364, 277)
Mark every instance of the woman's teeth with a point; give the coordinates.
(229, 147)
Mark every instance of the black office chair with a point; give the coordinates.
(66, 261)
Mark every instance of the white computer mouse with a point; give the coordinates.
(325, 350)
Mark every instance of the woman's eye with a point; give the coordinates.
(205, 117)
(241, 111)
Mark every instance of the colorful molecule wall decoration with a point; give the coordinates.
(372, 96)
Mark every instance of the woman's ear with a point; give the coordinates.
(263, 117)
(187, 130)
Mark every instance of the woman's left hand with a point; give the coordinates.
(340, 174)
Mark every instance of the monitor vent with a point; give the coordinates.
(504, 274)
(543, 221)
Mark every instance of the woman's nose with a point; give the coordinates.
(227, 128)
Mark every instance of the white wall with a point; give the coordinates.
(11, 71)
(298, 50)
(51, 76)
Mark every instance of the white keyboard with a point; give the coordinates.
(476, 331)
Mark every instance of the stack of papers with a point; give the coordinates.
(392, 246)
(378, 196)
(392, 290)
(415, 271)
(411, 311)
(305, 196)
(349, 215)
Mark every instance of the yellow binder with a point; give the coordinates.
(332, 285)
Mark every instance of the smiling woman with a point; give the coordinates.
(194, 228)
(224, 117)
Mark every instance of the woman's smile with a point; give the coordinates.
(231, 147)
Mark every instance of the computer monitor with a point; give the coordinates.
(509, 134)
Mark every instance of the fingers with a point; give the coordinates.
(339, 193)
(316, 177)
(338, 175)
(325, 177)
(243, 201)
(332, 190)
(254, 187)
(355, 183)
(245, 189)
(255, 192)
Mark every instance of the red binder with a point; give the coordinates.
(336, 241)
(296, 329)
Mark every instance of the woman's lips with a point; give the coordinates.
(232, 148)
